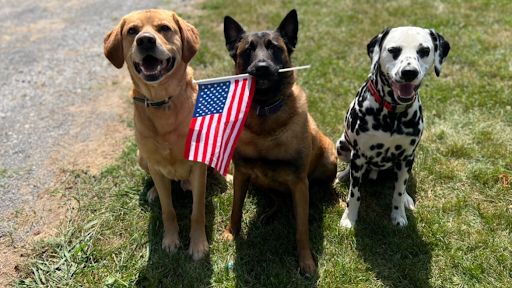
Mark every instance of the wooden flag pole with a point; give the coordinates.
(205, 81)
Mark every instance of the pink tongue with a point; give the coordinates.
(406, 90)
(150, 63)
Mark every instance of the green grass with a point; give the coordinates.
(459, 235)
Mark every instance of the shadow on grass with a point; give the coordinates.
(398, 256)
(266, 256)
(178, 269)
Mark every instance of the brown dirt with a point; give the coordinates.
(71, 154)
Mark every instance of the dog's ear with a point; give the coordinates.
(233, 32)
(189, 39)
(373, 48)
(289, 29)
(441, 49)
(113, 46)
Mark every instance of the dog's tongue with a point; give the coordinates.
(150, 64)
(405, 90)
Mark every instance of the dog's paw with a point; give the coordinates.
(373, 174)
(152, 194)
(171, 242)
(399, 218)
(307, 267)
(408, 202)
(198, 249)
(227, 235)
(186, 185)
(346, 221)
(341, 176)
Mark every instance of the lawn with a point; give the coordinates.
(458, 236)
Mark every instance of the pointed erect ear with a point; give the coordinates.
(189, 39)
(373, 48)
(441, 49)
(289, 29)
(233, 32)
(113, 45)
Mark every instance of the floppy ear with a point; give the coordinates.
(113, 46)
(288, 29)
(233, 32)
(189, 39)
(373, 48)
(441, 49)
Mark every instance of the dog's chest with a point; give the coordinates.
(380, 136)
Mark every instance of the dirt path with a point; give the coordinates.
(62, 107)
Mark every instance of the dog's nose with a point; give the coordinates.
(146, 40)
(409, 73)
(262, 68)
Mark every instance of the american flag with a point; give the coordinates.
(219, 116)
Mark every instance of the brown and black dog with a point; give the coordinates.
(280, 148)
(157, 46)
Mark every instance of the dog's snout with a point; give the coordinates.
(409, 74)
(146, 40)
(262, 68)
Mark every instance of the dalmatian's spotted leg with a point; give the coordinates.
(357, 168)
(400, 198)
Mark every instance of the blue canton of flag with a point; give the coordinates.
(211, 98)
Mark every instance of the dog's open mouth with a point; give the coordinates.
(152, 68)
(404, 91)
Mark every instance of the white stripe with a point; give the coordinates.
(200, 153)
(210, 138)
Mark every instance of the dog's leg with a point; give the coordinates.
(171, 240)
(300, 194)
(198, 242)
(240, 186)
(143, 163)
(357, 168)
(400, 196)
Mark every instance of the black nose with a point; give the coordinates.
(262, 68)
(146, 40)
(409, 73)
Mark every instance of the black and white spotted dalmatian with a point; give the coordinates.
(384, 123)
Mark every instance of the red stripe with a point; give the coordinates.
(197, 140)
(189, 138)
(215, 135)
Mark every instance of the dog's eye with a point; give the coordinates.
(424, 52)
(132, 31)
(165, 28)
(395, 52)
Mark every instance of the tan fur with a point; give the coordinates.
(161, 132)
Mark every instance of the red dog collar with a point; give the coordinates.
(389, 106)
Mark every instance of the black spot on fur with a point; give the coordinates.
(358, 198)
(378, 154)
(352, 195)
(372, 147)
(396, 207)
(398, 147)
(379, 146)
(370, 111)
(354, 167)
(347, 204)
(399, 194)
(413, 142)
(355, 183)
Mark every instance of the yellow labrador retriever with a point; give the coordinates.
(157, 46)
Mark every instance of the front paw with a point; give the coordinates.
(408, 202)
(152, 194)
(198, 249)
(341, 176)
(346, 221)
(399, 218)
(171, 242)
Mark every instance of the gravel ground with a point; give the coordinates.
(56, 94)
